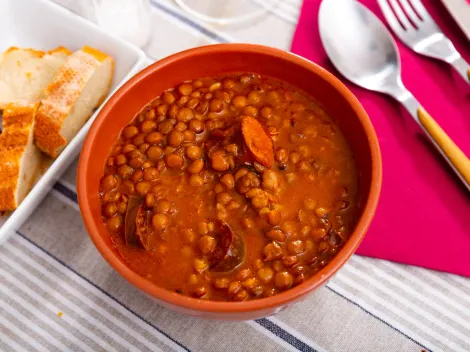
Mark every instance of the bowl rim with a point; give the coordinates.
(208, 306)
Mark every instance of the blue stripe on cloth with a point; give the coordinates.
(285, 335)
(189, 22)
(66, 191)
(99, 288)
(378, 318)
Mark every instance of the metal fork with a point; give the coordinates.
(412, 23)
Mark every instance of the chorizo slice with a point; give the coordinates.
(257, 141)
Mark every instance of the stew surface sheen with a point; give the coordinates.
(230, 188)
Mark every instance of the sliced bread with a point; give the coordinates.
(25, 73)
(19, 157)
(78, 87)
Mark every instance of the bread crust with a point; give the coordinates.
(18, 121)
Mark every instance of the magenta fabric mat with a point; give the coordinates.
(423, 217)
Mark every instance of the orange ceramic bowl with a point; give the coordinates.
(218, 60)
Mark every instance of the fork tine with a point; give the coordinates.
(401, 16)
(390, 17)
(421, 10)
(410, 12)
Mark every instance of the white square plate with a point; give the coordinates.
(44, 25)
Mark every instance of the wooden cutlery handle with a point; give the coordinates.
(456, 158)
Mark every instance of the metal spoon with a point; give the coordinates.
(362, 50)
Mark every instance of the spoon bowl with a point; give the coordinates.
(359, 45)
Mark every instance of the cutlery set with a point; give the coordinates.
(362, 49)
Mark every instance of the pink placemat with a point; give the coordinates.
(423, 216)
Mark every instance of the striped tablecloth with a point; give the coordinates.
(58, 294)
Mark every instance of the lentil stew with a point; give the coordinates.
(230, 188)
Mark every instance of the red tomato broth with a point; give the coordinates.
(315, 174)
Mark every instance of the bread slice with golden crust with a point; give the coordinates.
(19, 157)
(78, 87)
(25, 73)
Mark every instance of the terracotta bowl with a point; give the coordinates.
(218, 60)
